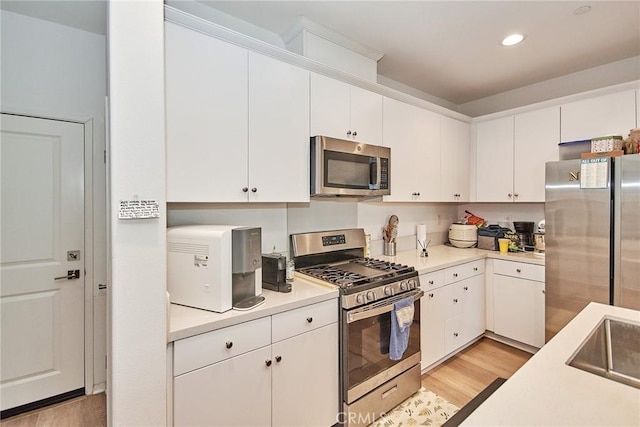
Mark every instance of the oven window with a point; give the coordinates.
(368, 346)
(343, 170)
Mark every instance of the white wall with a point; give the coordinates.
(137, 385)
(50, 70)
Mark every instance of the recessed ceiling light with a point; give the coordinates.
(512, 39)
(582, 10)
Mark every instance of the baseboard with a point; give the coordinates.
(513, 343)
(12, 412)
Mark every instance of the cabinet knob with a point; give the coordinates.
(278, 359)
(348, 132)
(455, 274)
(229, 344)
(518, 270)
(431, 282)
(515, 195)
(455, 300)
(510, 195)
(466, 288)
(254, 189)
(431, 295)
(309, 319)
(355, 133)
(267, 362)
(455, 334)
(245, 189)
(543, 291)
(475, 268)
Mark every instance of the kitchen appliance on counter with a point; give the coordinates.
(463, 235)
(347, 168)
(274, 273)
(592, 230)
(370, 381)
(215, 267)
(524, 231)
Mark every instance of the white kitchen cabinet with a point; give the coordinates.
(511, 155)
(228, 123)
(518, 302)
(343, 111)
(452, 310)
(229, 377)
(637, 108)
(413, 134)
(455, 146)
(612, 114)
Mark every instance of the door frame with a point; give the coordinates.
(87, 123)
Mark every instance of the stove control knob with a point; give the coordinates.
(412, 283)
(360, 299)
(403, 285)
(388, 291)
(371, 296)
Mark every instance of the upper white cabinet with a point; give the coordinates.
(228, 123)
(340, 110)
(455, 146)
(413, 134)
(511, 155)
(613, 114)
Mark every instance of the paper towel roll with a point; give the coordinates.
(421, 233)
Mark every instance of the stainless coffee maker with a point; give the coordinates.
(524, 230)
(246, 272)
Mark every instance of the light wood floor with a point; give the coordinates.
(85, 411)
(458, 380)
(463, 376)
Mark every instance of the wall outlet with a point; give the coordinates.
(438, 219)
(507, 218)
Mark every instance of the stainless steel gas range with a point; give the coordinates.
(371, 383)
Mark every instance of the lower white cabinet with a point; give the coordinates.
(452, 310)
(518, 301)
(230, 378)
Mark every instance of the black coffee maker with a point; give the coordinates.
(525, 230)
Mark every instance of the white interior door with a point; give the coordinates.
(42, 220)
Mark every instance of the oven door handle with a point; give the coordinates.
(365, 313)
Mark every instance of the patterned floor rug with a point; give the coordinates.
(424, 408)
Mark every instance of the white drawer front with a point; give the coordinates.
(294, 322)
(204, 349)
(432, 280)
(521, 270)
(463, 271)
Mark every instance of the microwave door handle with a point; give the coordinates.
(374, 175)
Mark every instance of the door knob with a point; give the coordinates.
(71, 274)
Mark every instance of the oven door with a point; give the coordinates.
(366, 333)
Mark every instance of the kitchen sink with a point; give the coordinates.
(612, 351)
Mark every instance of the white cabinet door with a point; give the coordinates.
(494, 160)
(206, 117)
(235, 392)
(454, 336)
(278, 131)
(638, 108)
(330, 107)
(473, 295)
(413, 134)
(366, 116)
(613, 114)
(435, 309)
(455, 146)
(536, 139)
(305, 379)
(516, 309)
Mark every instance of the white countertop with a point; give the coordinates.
(186, 321)
(447, 256)
(547, 392)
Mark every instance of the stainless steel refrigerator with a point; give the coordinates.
(592, 236)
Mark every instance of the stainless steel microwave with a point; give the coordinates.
(347, 168)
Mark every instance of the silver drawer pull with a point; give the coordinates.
(390, 391)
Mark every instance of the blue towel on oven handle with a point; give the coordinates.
(401, 320)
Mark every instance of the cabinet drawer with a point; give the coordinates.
(519, 269)
(463, 271)
(294, 322)
(432, 280)
(204, 349)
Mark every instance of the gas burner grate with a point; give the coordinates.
(382, 265)
(333, 275)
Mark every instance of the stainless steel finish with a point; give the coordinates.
(246, 262)
(612, 351)
(577, 245)
(381, 307)
(627, 259)
(367, 386)
(384, 398)
(71, 274)
(311, 243)
(320, 144)
(73, 255)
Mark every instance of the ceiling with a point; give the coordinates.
(447, 49)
